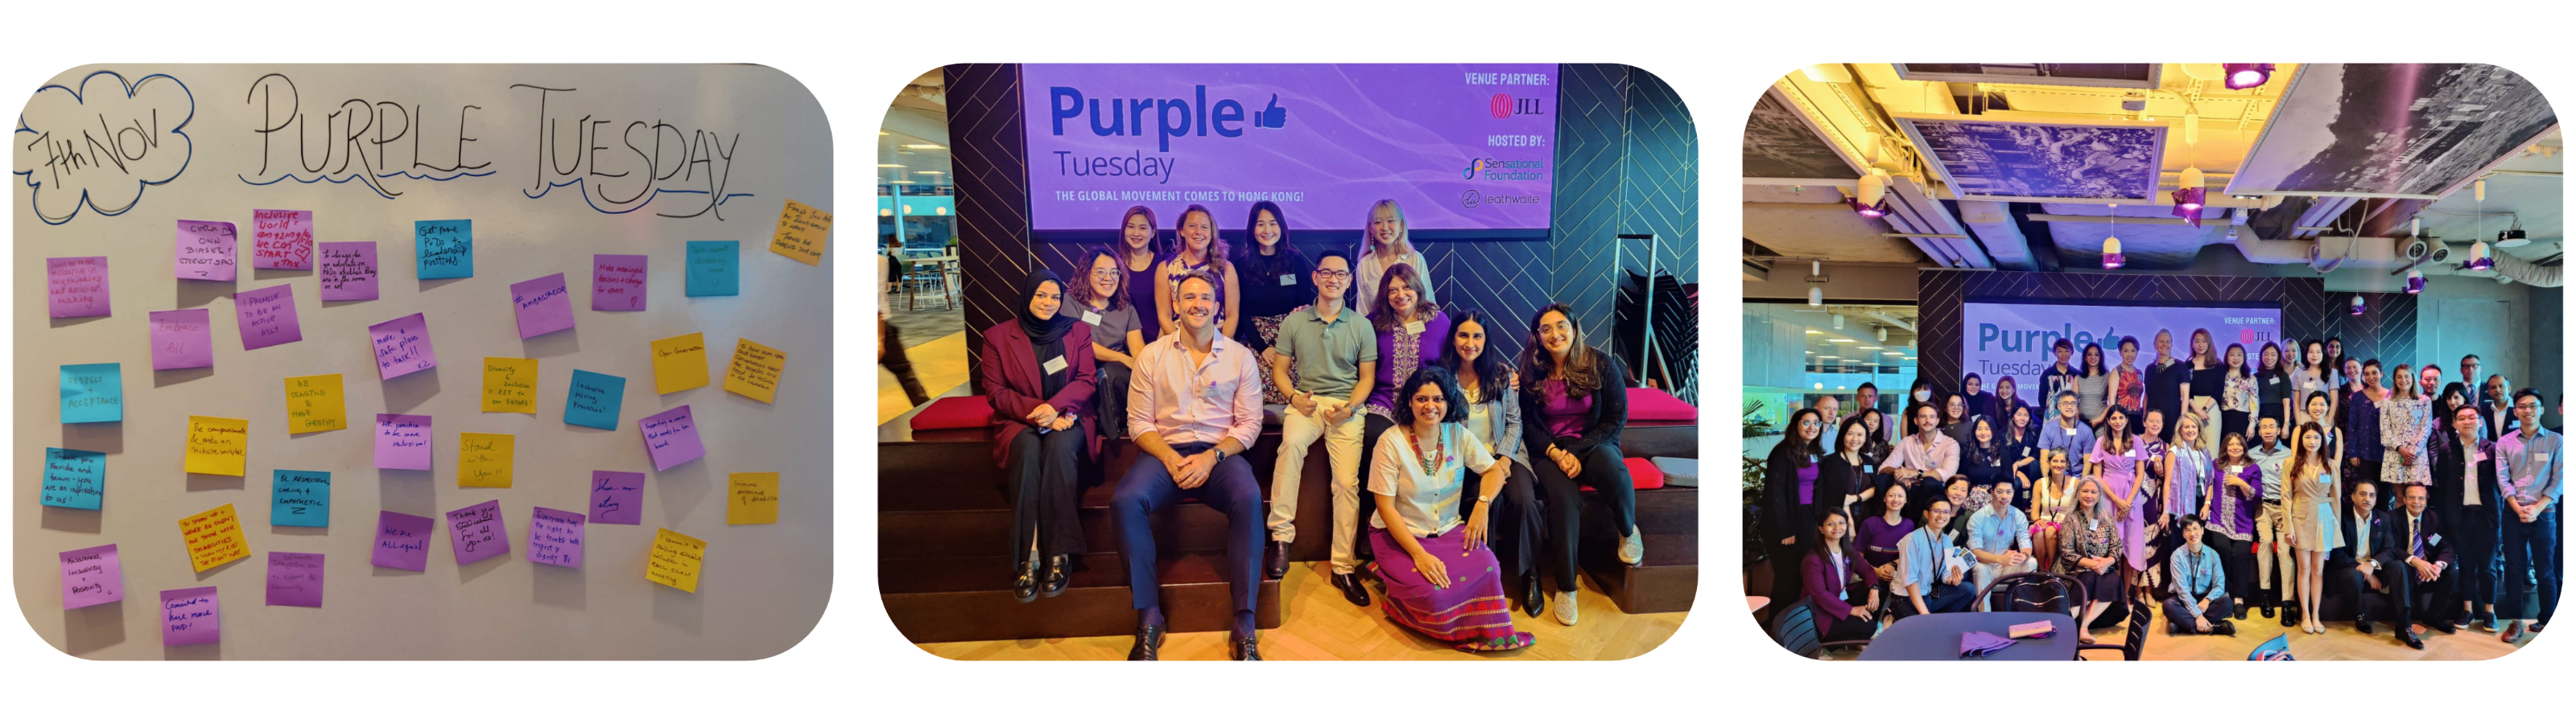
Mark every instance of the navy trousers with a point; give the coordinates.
(2531, 548)
(1231, 488)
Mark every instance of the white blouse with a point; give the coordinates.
(1428, 502)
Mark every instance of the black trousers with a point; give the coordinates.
(2237, 559)
(901, 365)
(1111, 400)
(1040, 479)
(1515, 524)
(2531, 560)
(1372, 427)
(2480, 564)
(1607, 473)
(2403, 588)
(2345, 580)
(1848, 628)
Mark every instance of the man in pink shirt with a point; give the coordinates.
(1193, 407)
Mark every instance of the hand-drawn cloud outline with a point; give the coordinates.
(28, 160)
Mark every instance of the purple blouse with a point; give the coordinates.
(1878, 540)
(1565, 416)
(1807, 484)
(1399, 354)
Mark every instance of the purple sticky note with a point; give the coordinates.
(402, 346)
(92, 576)
(76, 286)
(477, 532)
(671, 438)
(617, 282)
(267, 317)
(617, 497)
(544, 304)
(281, 239)
(206, 250)
(191, 616)
(402, 541)
(554, 537)
(182, 339)
(294, 579)
(402, 442)
(348, 270)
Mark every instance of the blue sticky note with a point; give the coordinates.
(595, 399)
(446, 248)
(74, 478)
(715, 268)
(301, 497)
(94, 393)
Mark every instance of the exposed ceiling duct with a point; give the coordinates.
(1992, 222)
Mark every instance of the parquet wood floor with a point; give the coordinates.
(2340, 642)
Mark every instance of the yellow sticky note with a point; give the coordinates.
(509, 384)
(802, 233)
(483, 460)
(217, 445)
(214, 537)
(314, 404)
(674, 560)
(680, 363)
(754, 499)
(755, 370)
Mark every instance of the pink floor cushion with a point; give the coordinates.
(950, 413)
(1647, 404)
(1643, 473)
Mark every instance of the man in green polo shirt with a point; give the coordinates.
(1334, 352)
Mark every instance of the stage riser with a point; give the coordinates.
(1667, 583)
(1189, 527)
(1107, 611)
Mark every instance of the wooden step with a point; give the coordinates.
(1667, 582)
(1658, 440)
(969, 599)
(954, 533)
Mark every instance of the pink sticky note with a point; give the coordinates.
(544, 304)
(402, 442)
(206, 250)
(76, 286)
(402, 541)
(182, 339)
(402, 346)
(617, 282)
(671, 438)
(477, 532)
(294, 579)
(267, 317)
(92, 576)
(554, 537)
(281, 239)
(617, 497)
(191, 616)
(348, 270)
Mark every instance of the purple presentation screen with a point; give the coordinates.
(1468, 146)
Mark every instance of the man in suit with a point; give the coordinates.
(2478, 396)
(2425, 562)
(2495, 405)
(2464, 469)
(2366, 564)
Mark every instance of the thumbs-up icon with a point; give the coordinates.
(1272, 116)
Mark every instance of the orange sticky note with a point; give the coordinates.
(674, 560)
(754, 499)
(217, 445)
(755, 370)
(803, 232)
(509, 384)
(483, 460)
(680, 363)
(214, 537)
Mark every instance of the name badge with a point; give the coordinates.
(1414, 327)
(1869, 470)
(1287, 280)
(2434, 541)
(1054, 365)
(1090, 317)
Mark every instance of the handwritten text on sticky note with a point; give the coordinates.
(755, 370)
(752, 499)
(74, 478)
(402, 346)
(281, 239)
(477, 532)
(554, 537)
(267, 317)
(94, 392)
(713, 268)
(509, 384)
(294, 579)
(300, 498)
(214, 537)
(348, 271)
(207, 251)
(675, 560)
(92, 576)
(802, 233)
(402, 541)
(594, 400)
(402, 442)
(76, 286)
(544, 305)
(217, 445)
(191, 616)
(680, 363)
(617, 282)
(182, 339)
(671, 438)
(314, 404)
(446, 248)
(617, 497)
(483, 460)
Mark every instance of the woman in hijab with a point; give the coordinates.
(1041, 389)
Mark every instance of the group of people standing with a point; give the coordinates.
(1151, 345)
(2201, 485)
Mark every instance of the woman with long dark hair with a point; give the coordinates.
(2021, 456)
(2093, 388)
(1841, 587)
(1140, 257)
(1275, 282)
(1845, 477)
(2314, 500)
(1792, 491)
(1580, 395)
(2207, 380)
(2311, 373)
(2236, 399)
(1972, 389)
(2272, 389)
(2008, 399)
(2234, 495)
(2117, 463)
(1039, 376)
(1494, 418)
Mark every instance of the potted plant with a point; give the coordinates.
(1755, 427)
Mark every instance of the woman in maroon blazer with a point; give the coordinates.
(1039, 375)
(1831, 566)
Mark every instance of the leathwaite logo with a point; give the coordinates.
(1172, 117)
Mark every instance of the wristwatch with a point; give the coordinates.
(1484, 498)
(1220, 453)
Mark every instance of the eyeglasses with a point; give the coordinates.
(1427, 399)
(2526, 406)
(1332, 274)
(1104, 273)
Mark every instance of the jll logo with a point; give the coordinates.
(1505, 106)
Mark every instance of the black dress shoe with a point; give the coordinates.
(2445, 625)
(1149, 643)
(2362, 625)
(1059, 574)
(1533, 598)
(2268, 612)
(1247, 648)
(1025, 586)
(2240, 613)
(2406, 635)
(2290, 617)
(1277, 564)
(1352, 589)
(2223, 627)
(2463, 619)
(2487, 620)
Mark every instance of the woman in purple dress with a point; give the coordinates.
(1409, 330)
(2117, 461)
(1441, 577)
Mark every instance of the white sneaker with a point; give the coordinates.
(1632, 547)
(1564, 607)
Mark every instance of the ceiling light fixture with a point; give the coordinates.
(2478, 259)
(2414, 281)
(1838, 321)
(1815, 296)
(924, 146)
(889, 165)
(2359, 306)
(1882, 334)
(2511, 238)
(2111, 256)
(2241, 76)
